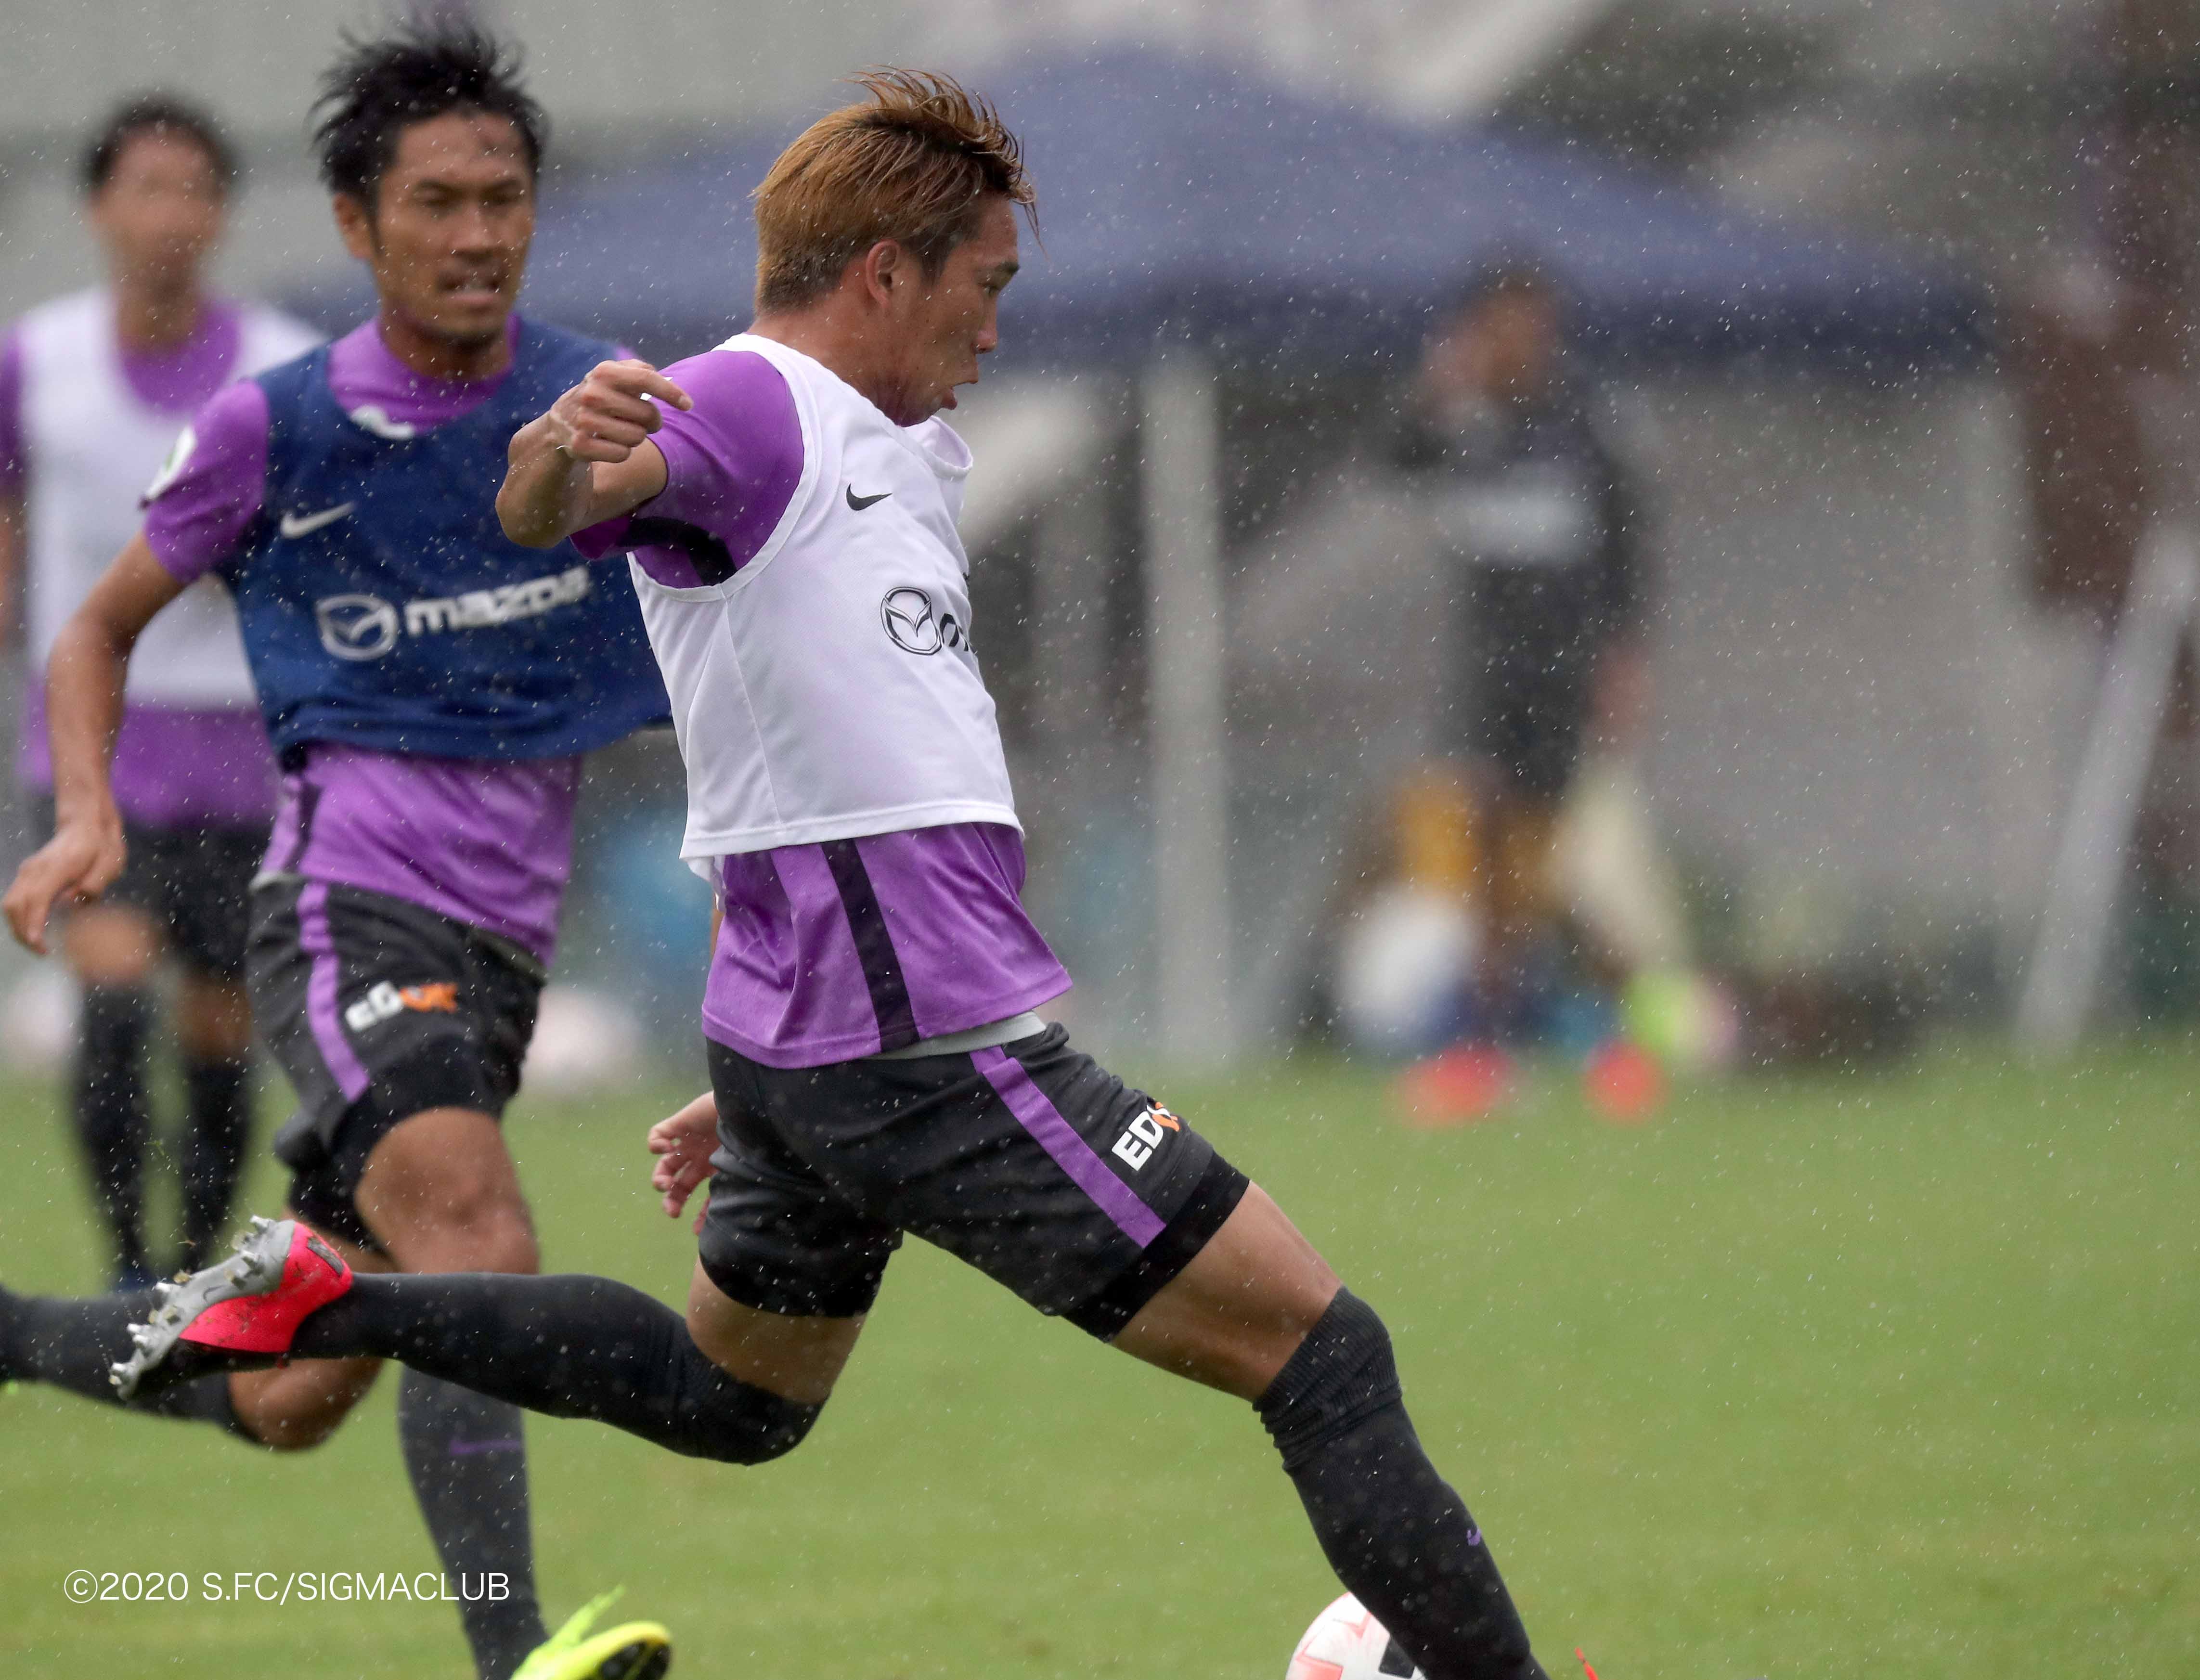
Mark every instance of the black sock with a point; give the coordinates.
(219, 1122)
(1390, 1526)
(569, 1347)
(70, 1342)
(467, 1458)
(112, 1117)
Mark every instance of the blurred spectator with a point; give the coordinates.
(1533, 516)
(94, 391)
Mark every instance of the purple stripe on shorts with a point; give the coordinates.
(321, 986)
(507, 1443)
(1059, 1138)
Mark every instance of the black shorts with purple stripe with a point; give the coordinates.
(378, 1009)
(1031, 1162)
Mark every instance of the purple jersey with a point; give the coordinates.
(732, 464)
(835, 950)
(487, 841)
(175, 765)
(459, 836)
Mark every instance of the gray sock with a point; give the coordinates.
(467, 1458)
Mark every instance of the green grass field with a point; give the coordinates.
(1889, 1375)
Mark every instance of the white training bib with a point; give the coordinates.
(828, 689)
(94, 449)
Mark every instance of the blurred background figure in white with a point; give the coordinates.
(95, 387)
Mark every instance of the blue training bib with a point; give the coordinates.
(383, 606)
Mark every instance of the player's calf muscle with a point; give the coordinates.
(298, 1406)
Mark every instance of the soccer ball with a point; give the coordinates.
(1346, 1643)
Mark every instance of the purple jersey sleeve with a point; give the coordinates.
(732, 462)
(12, 468)
(198, 509)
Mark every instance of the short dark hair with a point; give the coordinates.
(377, 88)
(157, 113)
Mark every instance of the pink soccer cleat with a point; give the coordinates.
(241, 1314)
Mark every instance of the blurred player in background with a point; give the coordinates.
(94, 388)
(429, 687)
(1536, 517)
(788, 502)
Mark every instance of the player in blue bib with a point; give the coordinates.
(383, 606)
(430, 686)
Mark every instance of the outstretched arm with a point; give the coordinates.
(588, 458)
(84, 709)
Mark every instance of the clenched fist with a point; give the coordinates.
(603, 417)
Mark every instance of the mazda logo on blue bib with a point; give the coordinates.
(916, 625)
(356, 626)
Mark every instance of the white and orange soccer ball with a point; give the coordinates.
(1346, 1643)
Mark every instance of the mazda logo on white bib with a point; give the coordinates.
(916, 625)
(356, 626)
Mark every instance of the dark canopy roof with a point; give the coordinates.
(1182, 200)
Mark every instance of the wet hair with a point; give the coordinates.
(156, 113)
(914, 163)
(377, 88)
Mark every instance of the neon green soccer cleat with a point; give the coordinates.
(630, 1651)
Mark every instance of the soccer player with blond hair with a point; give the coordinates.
(788, 503)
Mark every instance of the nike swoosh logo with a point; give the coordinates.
(857, 504)
(299, 524)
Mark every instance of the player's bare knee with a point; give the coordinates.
(796, 1356)
(213, 1019)
(441, 1195)
(468, 1224)
(490, 1236)
(499, 1230)
(112, 946)
(711, 1413)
